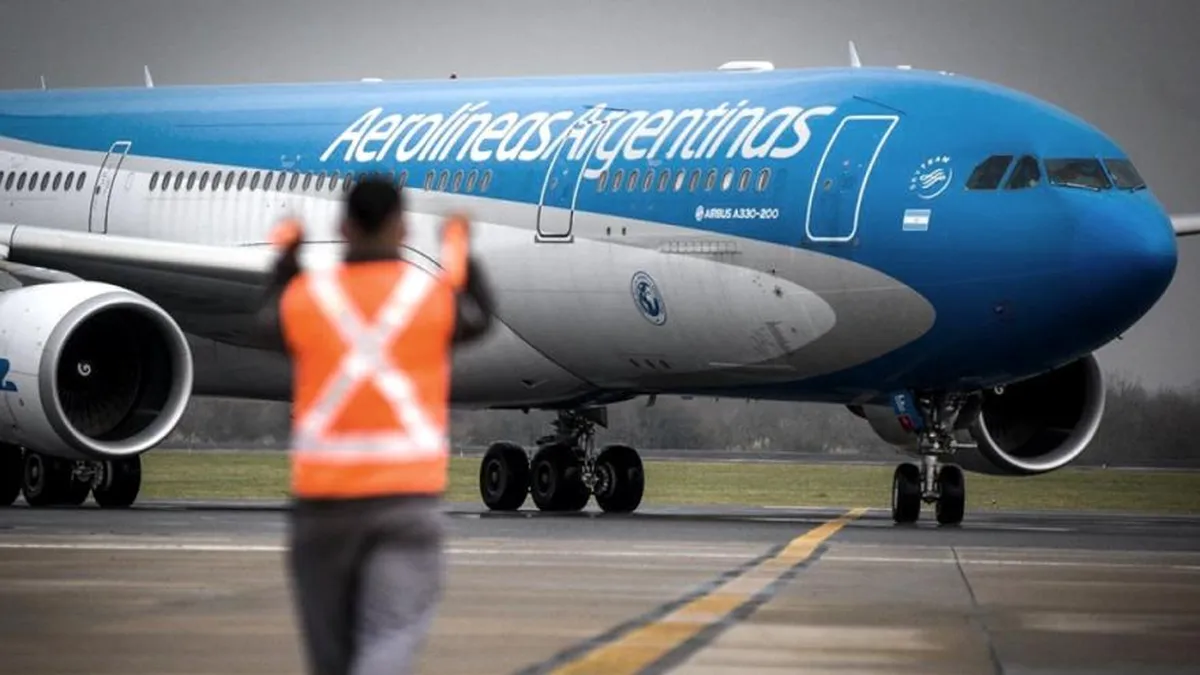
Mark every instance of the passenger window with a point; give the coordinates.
(764, 179)
(458, 178)
(294, 182)
(602, 181)
(216, 184)
(632, 184)
(744, 180)
(229, 181)
(308, 178)
(254, 180)
(695, 180)
(429, 178)
(66, 185)
(664, 177)
(333, 181)
(1025, 175)
(204, 181)
(1082, 172)
(21, 182)
(1, 178)
(241, 183)
(618, 179)
(153, 181)
(191, 181)
(487, 180)
(11, 177)
(82, 179)
(648, 182)
(57, 181)
(443, 179)
(403, 178)
(166, 184)
(727, 180)
(33, 181)
(710, 180)
(45, 181)
(351, 180)
(679, 176)
(989, 173)
(474, 175)
(280, 180)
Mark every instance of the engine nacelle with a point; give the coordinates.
(1040, 424)
(1035, 426)
(93, 371)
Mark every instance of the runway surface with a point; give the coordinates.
(200, 588)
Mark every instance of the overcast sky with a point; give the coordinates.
(1131, 68)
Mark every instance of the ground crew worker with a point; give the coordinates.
(370, 343)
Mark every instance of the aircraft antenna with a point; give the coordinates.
(43, 82)
(855, 62)
(149, 80)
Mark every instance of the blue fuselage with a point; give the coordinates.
(1025, 229)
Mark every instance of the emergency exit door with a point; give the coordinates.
(835, 200)
(564, 177)
(102, 192)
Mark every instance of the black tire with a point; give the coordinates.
(622, 479)
(906, 493)
(504, 477)
(75, 493)
(952, 495)
(45, 480)
(556, 480)
(11, 468)
(119, 486)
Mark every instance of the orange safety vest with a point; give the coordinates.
(370, 345)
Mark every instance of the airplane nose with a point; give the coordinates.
(1124, 258)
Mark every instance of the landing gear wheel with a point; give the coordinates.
(76, 492)
(45, 480)
(504, 477)
(119, 484)
(952, 495)
(906, 493)
(556, 479)
(11, 463)
(621, 479)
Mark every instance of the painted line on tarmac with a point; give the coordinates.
(194, 547)
(671, 633)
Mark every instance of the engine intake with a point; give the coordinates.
(1036, 425)
(1039, 424)
(99, 371)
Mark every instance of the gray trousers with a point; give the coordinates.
(367, 576)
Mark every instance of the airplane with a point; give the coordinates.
(939, 254)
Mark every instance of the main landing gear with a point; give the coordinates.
(51, 481)
(565, 471)
(935, 481)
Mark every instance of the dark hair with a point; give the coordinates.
(372, 202)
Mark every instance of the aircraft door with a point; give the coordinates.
(564, 178)
(102, 192)
(835, 200)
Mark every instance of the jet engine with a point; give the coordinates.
(1032, 426)
(90, 371)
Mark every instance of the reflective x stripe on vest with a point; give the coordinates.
(412, 434)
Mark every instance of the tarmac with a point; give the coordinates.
(187, 587)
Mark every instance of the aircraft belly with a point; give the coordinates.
(622, 316)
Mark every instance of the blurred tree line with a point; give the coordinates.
(1141, 426)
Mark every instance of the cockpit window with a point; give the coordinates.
(1081, 173)
(1027, 174)
(1124, 174)
(987, 175)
